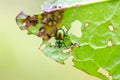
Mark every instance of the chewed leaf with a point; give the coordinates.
(107, 58)
(43, 25)
(97, 45)
(51, 18)
(20, 20)
(26, 22)
(56, 53)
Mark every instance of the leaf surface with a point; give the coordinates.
(99, 44)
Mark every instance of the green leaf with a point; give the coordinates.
(34, 29)
(56, 53)
(100, 40)
(92, 59)
(82, 60)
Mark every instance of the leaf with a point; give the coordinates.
(96, 35)
(91, 59)
(56, 54)
(99, 45)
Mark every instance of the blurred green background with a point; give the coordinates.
(20, 58)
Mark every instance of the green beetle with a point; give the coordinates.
(59, 36)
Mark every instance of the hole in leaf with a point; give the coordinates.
(69, 61)
(110, 43)
(76, 29)
(105, 73)
(42, 47)
(67, 50)
(86, 24)
(111, 28)
(52, 41)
